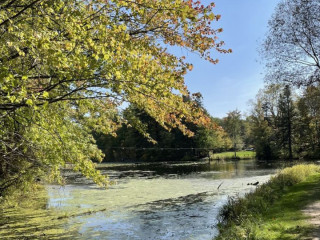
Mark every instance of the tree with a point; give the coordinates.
(261, 134)
(286, 126)
(285, 120)
(215, 138)
(67, 66)
(291, 48)
(160, 144)
(263, 122)
(311, 100)
(232, 125)
(308, 122)
(274, 122)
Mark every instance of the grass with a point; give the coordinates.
(273, 211)
(230, 155)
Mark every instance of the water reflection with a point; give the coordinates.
(149, 201)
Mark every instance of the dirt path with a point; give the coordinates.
(313, 211)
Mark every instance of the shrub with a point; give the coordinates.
(294, 175)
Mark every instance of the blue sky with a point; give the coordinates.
(236, 79)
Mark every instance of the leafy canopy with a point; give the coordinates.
(66, 66)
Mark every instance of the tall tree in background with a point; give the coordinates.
(261, 130)
(67, 65)
(285, 120)
(311, 98)
(263, 122)
(291, 48)
(308, 125)
(273, 122)
(232, 125)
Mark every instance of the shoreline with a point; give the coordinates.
(275, 209)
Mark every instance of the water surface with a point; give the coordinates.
(149, 201)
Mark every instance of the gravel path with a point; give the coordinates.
(313, 211)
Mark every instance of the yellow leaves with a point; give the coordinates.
(95, 56)
(211, 16)
(90, 42)
(10, 28)
(45, 94)
(106, 56)
(29, 102)
(117, 74)
(69, 46)
(12, 98)
(20, 52)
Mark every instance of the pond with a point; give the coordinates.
(148, 201)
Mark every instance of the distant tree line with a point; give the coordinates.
(231, 133)
(282, 124)
(131, 144)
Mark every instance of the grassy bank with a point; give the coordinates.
(273, 211)
(230, 155)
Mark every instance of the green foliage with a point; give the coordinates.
(285, 121)
(252, 217)
(236, 129)
(284, 126)
(273, 123)
(130, 143)
(213, 138)
(263, 122)
(66, 67)
(308, 127)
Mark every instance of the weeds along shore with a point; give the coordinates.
(273, 210)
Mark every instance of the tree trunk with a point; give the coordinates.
(289, 133)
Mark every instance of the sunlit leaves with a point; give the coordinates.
(73, 64)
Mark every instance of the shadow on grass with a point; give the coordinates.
(285, 217)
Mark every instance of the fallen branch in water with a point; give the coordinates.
(81, 214)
